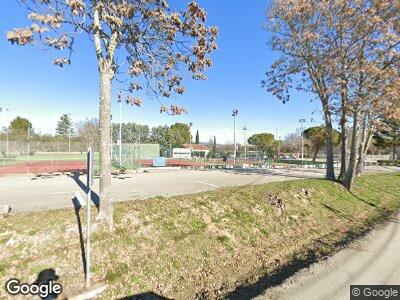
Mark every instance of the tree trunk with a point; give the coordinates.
(361, 149)
(349, 178)
(343, 146)
(315, 154)
(369, 140)
(106, 207)
(344, 102)
(394, 152)
(330, 171)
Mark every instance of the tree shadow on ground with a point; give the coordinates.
(337, 212)
(365, 201)
(144, 296)
(95, 197)
(274, 172)
(77, 207)
(44, 278)
(251, 290)
(45, 176)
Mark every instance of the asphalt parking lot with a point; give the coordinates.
(29, 193)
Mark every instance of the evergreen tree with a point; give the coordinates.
(197, 137)
(64, 126)
(214, 147)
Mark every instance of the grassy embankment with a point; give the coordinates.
(205, 244)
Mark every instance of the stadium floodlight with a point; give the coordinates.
(235, 112)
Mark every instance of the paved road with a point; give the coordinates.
(29, 193)
(374, 259)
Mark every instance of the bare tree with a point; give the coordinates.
(146, 40)
(345, 52)
(299, 34)
(89, 132)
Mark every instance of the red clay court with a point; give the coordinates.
(51, 166)
(42, 166)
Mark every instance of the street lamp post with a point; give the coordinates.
(235, 112)
(245, 141)
(69, 137)
(190, 138)
(277, 139)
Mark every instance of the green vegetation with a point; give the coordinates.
(65, 126)
(389, 162)
(265, 142)
(389, 136)
(317, 137)
(204, 244)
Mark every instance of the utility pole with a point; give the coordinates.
(235, 112)
(190, 138)
(245, 141)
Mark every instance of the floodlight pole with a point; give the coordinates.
(234, 114)
(277, 139)
(190, 138)
(69, 137)
(120, 133)
(245, 142)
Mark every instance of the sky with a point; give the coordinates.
(32, 87)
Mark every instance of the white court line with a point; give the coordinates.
(210, 184)
(57, 193)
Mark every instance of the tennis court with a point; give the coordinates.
(43, 163)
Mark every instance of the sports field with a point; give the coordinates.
(43, 163)
(70, 162)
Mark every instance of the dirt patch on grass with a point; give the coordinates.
(200, 245)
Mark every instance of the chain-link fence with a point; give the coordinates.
(23, 151)
(134, 155)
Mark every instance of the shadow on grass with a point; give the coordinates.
(85, 189)
(275, 172)
(365, 201)
(44, 278)
(77, 207)
(144, 296)
(322, 249)
(336, 212)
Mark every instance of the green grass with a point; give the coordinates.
(203, 244)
